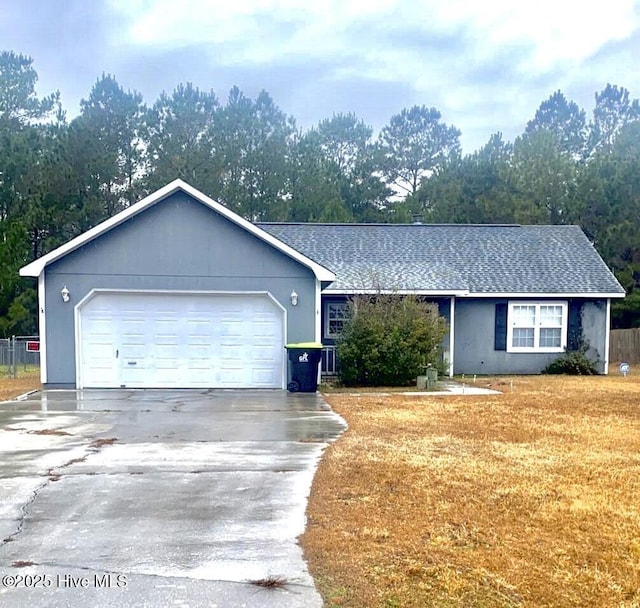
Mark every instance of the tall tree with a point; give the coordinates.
(23, 218)
(106, 151)
(565, 119)
(613, 110)
(19, 104)
(116, 120)
(253, 139)
(610, 195)
(21, 111)
(470, 189)
(346, 145)
(617, 172)
(344, 140)
(541, 180)
(414, 144)
(313, 187)
(180, 143)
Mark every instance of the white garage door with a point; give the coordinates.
(160, 340)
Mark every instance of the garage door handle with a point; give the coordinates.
(132, 363)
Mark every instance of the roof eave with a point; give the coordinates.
(420, 292)
(543, 294)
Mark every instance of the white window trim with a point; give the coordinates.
(536, 348)
(327, 333)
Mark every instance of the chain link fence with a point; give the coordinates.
(19, 353)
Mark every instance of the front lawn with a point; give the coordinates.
(27, 380)
(530, 498)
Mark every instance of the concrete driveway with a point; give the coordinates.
(158, 498)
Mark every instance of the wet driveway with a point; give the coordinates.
(157, 498)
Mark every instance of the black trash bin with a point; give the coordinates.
(303, 365)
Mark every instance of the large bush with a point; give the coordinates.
(572, 363)
(388, 339)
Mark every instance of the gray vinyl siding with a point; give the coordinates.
(594, 329)
(176, 245)
(474, 344)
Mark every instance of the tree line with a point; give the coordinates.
(59, 177)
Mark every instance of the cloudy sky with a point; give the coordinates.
(487, 66)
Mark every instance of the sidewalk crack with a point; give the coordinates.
(54, 474)
(24, 512)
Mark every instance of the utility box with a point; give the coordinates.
(432, 377)
(429, 380)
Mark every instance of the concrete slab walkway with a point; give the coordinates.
(445, 388)
(157, 498)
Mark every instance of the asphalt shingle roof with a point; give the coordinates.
(479, 259)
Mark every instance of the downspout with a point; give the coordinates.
(607, 337)
(452, 323)
(318, 321)
(42, 327)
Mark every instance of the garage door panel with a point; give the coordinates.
(132, 355)
(263, 378)
(101, 325)
(181, 340)
(167, 364)
(167, 326)
(262, 335)
(266, 339)
(131, 372)
(202, 378)
(168, 379)
(263, 354)
(199, 350)
(231, 377)
(102, 351)
(133, 326)
(165, 343)
(196, 366)
(231, 329)
(167, 356)
(200, 341)
(229, 347)
(131, 309)
(200, 326)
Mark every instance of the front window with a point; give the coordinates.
(537, 327)
(335, 317)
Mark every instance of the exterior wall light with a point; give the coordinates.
(64, 292)
(294, 298)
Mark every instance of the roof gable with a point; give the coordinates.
(455, 259)
(36, 267)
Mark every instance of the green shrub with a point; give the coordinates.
(388, 339)
(575, 363)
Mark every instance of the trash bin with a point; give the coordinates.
(304, 358)
(432, 377)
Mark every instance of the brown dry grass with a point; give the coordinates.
(10, 388)
(530, 498)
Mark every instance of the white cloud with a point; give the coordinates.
(558, 30)
(530, 38)
(486, 65)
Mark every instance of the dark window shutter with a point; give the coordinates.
(501, 327)
(574, 337)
